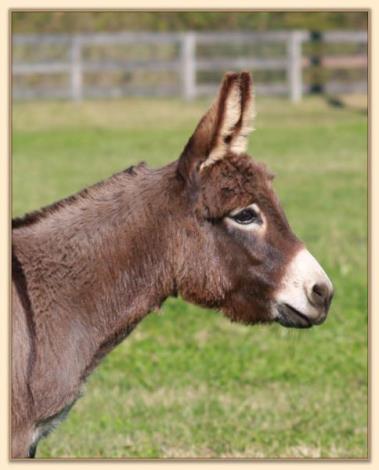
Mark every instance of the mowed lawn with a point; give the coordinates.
(187, 382)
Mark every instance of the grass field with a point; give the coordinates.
(187, 382)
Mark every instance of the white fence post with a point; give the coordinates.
(294, 70)
(76, 72)
(188, 69)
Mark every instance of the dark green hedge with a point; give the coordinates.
(90, 21)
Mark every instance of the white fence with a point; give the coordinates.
(185, 63)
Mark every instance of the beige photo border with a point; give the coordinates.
(264, 5)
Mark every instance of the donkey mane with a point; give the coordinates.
(33, 217)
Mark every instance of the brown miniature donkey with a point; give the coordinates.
(88, 269)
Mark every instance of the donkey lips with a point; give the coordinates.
(292, 318)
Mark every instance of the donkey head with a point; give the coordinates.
(240, 254)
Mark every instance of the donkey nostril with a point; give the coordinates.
(319, 289)
(320, 293)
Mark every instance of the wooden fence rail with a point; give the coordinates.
(188, 65)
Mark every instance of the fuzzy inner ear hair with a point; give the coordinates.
(234, 112)
(239, 142)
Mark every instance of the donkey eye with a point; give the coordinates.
(246, 216)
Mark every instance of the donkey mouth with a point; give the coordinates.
(291, 318)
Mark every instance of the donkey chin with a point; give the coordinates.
(305, 293)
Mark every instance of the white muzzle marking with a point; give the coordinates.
(305, 287)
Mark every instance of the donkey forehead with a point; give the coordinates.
(236, 181)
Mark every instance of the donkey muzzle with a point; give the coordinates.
(305, 293)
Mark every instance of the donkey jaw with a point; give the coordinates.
(305, 293)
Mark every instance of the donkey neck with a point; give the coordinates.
(95, 265)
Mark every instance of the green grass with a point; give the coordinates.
(187, 382)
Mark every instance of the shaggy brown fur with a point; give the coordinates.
(87, 269)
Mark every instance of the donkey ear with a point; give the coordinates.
(223, 129)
